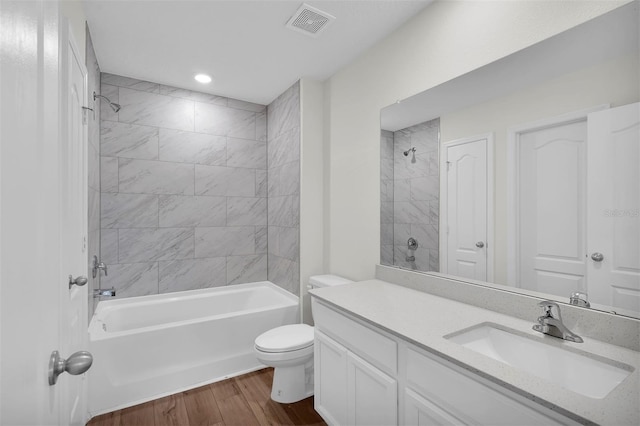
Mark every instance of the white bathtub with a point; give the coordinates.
(152, 346)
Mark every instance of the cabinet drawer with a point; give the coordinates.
(467, 398)
(379, 350)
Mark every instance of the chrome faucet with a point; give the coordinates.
(100, 292)
(98, 266)
(553, 325)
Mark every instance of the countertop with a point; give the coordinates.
(424, 319)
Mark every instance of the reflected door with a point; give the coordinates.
(550, 197)
(613, 255)
(466, 209)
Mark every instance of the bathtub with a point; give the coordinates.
(152, 346)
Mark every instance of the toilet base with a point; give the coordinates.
(292, 384)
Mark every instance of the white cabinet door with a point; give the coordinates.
(613, 207)
(330, 379)
(372, 396)
(420, 412)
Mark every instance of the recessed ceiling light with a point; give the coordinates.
(202, 78)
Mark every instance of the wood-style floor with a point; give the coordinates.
(243, 401)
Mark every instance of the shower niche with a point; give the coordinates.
(409, 194)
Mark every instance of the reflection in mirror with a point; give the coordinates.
(537, 160)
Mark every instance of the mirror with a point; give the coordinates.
(524, 173)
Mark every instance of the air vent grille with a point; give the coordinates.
(309, 20)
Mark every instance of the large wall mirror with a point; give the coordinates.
(526, 172)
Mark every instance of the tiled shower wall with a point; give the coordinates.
(184, 189)
(93, 166)
(415, 196)
(386, 197)
(284, 189)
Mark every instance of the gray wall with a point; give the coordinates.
(184, 189)
(410, 196)
(93, 166)
(284, 189)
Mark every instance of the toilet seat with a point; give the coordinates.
(287, 338)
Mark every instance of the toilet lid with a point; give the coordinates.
(285, 338)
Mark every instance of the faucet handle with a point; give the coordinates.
(547, 306)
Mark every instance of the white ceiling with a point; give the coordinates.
(242, 44)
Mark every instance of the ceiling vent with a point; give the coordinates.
(310, 21)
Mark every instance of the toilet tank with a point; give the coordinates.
(319, 281)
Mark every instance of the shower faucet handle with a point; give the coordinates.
(98, 266)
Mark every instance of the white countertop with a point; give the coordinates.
(423, 319)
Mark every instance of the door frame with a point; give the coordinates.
(513, 179)
(444, 224)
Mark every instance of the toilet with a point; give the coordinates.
(289, 350)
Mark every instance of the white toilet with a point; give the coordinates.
(289, 349)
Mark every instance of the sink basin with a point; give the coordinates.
(586, 374)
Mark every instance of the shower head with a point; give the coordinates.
(412, 149)
(114, 106)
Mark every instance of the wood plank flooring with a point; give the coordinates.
(242, 401)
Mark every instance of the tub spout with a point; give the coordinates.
(100, 292)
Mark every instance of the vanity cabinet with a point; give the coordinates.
(365, 376)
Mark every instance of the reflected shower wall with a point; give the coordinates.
(410, 200)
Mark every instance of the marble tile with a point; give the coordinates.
(224, 121)
(273, 233)
(108, 174)
(261, 127)
(231, 181)
(288, 243)
(284, 180)
(139, 245)
(295, 210)
(401, 233)
(433, 163)
(246, 211)
(280, 211)
(284, 148)
(132, 279)
(413, 166)
(386, 190)
(130, 83)
(434, 212)
(113, 94)
(284, 273)
(93, 167)
(156, 110)
(434, 260)
(386, 233)
(247, 106)
(192, 274)
(425, 140)
(193, 96)
(186, 211)
(155, 177)
(93, 204)
(386, 168)
(128, 140)
(386, 254)
(246, 269)
(411, 212)
(261, 183)
(386, 212)
(109, 246)
(386, 144)
(402, 190)
(427, 235)
(246, 153)
(283, 114)
(189, 147)
(216, 242)
(129, 210)
(262, 241)
(425, 188)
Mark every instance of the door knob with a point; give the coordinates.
(597, 257)
(77, 363)
(479, 244)
(79, 281)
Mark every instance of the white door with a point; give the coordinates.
(613, 208)
(371, 394)
(73, 227)
(466, 206)
(330, 379)
(550, 202)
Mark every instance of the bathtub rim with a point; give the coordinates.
(97, 332)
